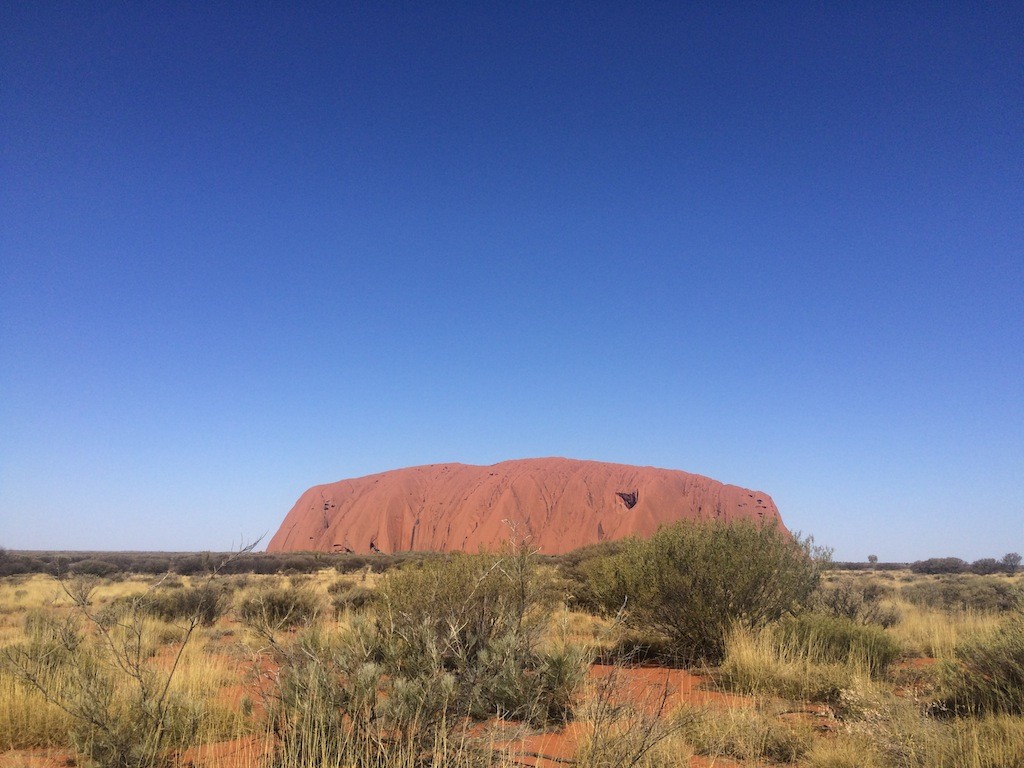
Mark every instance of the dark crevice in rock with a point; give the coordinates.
(629, 498)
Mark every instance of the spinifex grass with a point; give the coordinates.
(766, 662)
(936, 633)
(27, 719)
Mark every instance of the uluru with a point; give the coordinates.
(555, 504)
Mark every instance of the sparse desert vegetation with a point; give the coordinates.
(755, 650)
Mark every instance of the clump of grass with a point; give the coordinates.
(988, 742)
(745, 733)
(762, 662)
(206, 602)
(843, 751)
(27, 719)
(987, 675)
(891, 731)
(935, 632)
(272, 608)
(347, 595)
(839, 640)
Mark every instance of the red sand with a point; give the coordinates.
(556, 505)
(657, 691)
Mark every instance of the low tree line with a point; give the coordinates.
(110, 564)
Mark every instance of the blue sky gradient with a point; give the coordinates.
(249, 249)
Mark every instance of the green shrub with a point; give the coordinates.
(961, 593)
(692, 582)
(838, 640)
(934, 565)
(986, 566)
(479, 618)
(449, 640)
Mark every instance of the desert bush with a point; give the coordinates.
(986, 566)
(938, 565)
(632, 645)
(94, 567)
(378, 563)
(153, 565)
(261, 563)
(839, 640)
(272, 608)
(961, 593)
(693, 581)
(841, 565)
(301, 563)
(449, 640)
(336, 707)
(569, 561)
(192, 565)
(207, 603)
(96, 667)
(480, 619)
(858, 602)
(987, 675)
(121, 710)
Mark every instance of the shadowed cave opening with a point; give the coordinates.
(629, 498)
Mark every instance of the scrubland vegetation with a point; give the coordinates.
(499, 659)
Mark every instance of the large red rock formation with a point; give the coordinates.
(555, 504)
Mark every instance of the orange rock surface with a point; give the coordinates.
(557, 505)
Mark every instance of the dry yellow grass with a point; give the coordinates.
(877, 725)
(27, 719)
(934, 633)
(759, 663)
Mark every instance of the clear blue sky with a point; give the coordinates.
(245, 250)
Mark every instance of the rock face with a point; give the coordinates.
(555, 504)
